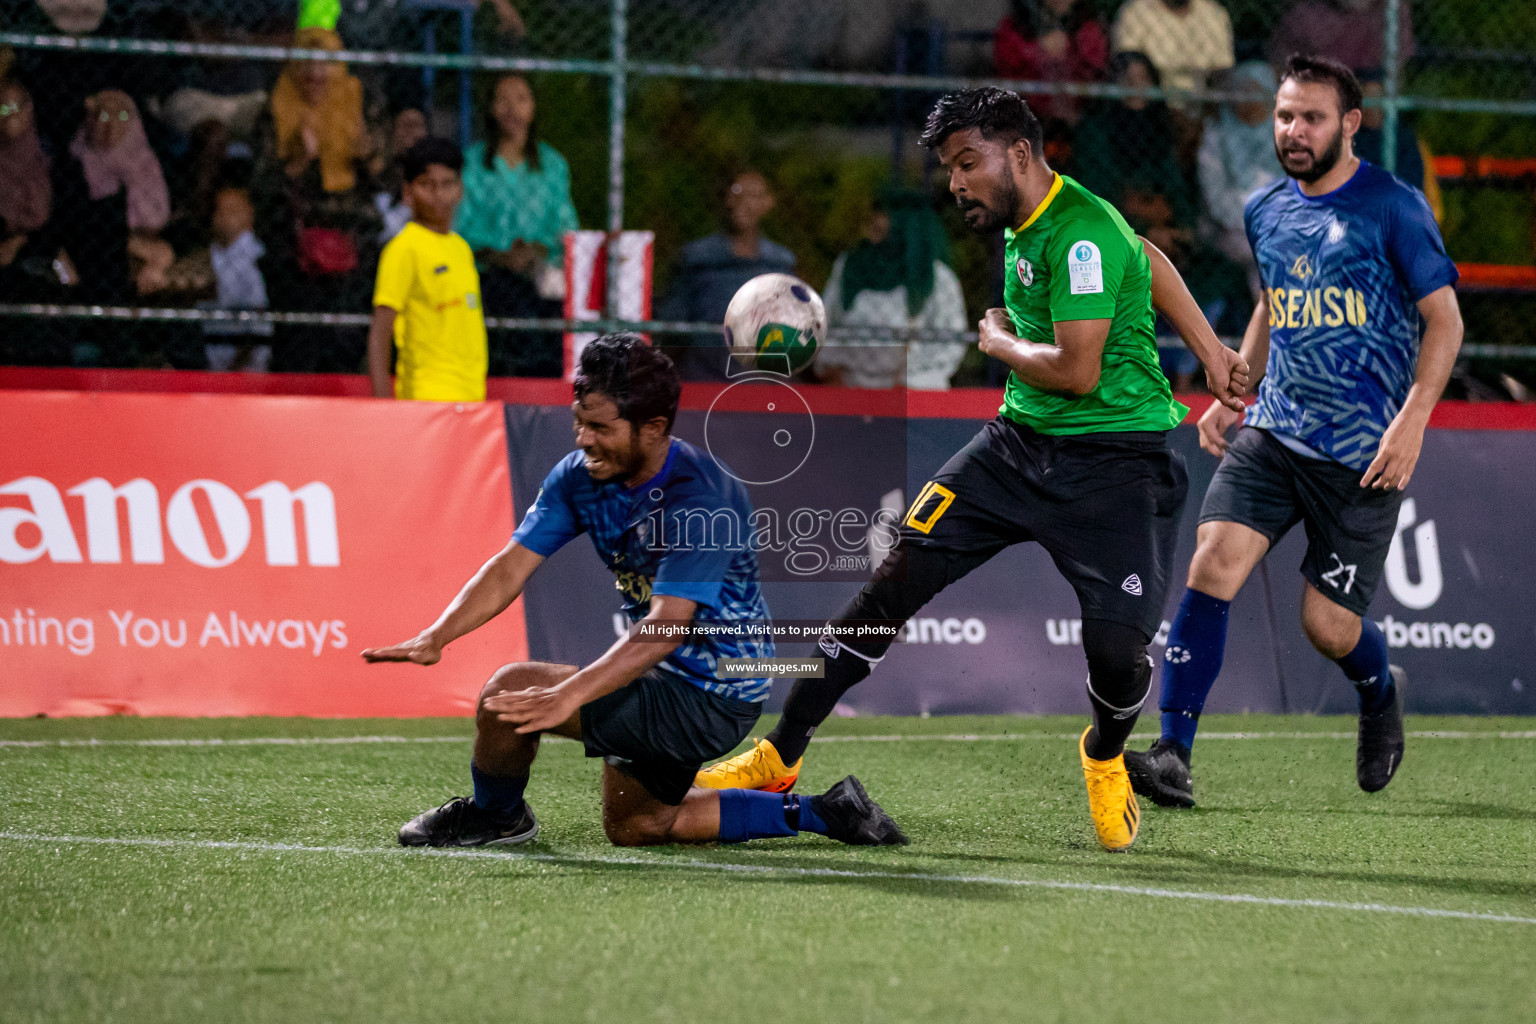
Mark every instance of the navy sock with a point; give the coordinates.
(1366, 667)
(802, 814)
(1196, 644)
(502, 795)
(752, 814)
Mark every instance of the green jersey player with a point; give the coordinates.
(1076, 460)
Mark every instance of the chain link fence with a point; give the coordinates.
(208, 184)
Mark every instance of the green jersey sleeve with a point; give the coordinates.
(1088, 256)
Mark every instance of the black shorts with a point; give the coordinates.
(661, 730)
(1105, 506)
(1265, 486)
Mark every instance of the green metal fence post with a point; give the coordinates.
(1390, 57)
(618, 82)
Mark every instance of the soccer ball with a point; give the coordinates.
(774, 324)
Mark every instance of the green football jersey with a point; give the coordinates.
(1075, 258)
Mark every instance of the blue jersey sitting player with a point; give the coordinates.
(655, 710)
(1357, 332)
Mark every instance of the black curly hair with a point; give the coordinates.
(998, 113)
(639, 379)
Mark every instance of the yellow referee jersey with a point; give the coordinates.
(430, 281)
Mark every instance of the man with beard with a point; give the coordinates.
(1076, 459)
(659, 702)
(1352, 263)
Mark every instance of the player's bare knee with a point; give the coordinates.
(507, 679)
(1217, 570)
(637, 829)
(1333, 633)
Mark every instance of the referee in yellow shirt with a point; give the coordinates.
(427, 296)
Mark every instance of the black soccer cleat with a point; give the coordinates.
(1379, 750)
(853, 818)
(459, 822)
(1161, 774)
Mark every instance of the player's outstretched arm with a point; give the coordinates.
(627, 660)
(1071, 366)
(485, 596)
(1398, 454)
(1226, 374)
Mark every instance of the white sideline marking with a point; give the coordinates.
(303, 741)
(689, 864)
(258, 741)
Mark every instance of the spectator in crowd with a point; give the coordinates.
(1123, 149)
(517, 208)
(1051, 41)
(1349, 31)
(407, 128)
(1185, 40)
(314, 204)
(711, 269)
(1237, 155)
(317, 117)
(517, 203)
(115, 156)
(26, 198)
(235, 253)
(427, 298)
(897, 277)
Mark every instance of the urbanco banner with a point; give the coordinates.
(1007, 638)
(224, 555)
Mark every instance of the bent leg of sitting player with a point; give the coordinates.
(655, 734)
(496, 814)
(635, 816)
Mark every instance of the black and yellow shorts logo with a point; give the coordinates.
(932, 502)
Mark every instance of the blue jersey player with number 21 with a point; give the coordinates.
(655, 709)
(1357, 332)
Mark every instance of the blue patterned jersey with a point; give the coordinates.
(686, 532)
(1343, 272)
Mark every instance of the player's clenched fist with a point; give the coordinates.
(1227, 376)
(995, 332)
(421, 650)
(1218, 419)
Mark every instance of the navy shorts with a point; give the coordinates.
(661, 730)
(1265, 486)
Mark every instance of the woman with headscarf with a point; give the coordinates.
(314, 207)
(897, 276)
(1237, 155)
(115, 157)
(26, 201)
(317, 116)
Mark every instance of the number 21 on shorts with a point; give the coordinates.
(1340, 570)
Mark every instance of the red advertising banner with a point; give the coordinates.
(231, 555)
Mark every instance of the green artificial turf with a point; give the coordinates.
(349, 927)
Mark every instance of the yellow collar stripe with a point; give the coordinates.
(1055, 188)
